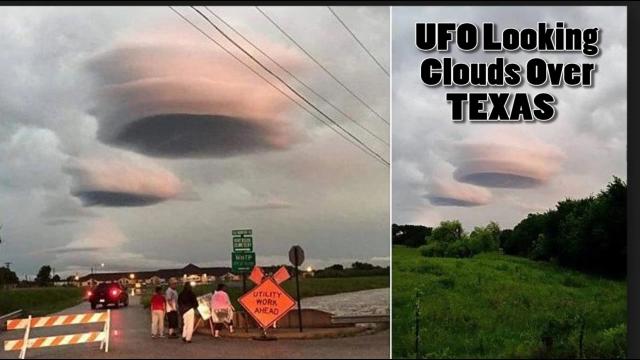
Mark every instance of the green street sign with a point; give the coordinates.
(242, 262)
(244, 232)
(242, 243)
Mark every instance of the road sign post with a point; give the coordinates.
(243, 259)
(296, 256)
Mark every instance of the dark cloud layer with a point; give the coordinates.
(112, 198)
(194, 136)
(447, 201)
(498, 179)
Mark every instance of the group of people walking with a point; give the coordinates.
(185, 303)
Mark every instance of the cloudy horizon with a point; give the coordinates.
(130, 139)
(477, 173)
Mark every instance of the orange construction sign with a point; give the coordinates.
(281, 275)
(256, 275)
(267, 303)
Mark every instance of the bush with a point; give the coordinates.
(459, 249)
(610, 341)
(449, 240)
(447, 232)
(485, 239)
(434, 249)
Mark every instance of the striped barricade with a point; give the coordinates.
(59, 340)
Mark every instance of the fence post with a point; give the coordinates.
(582, 326)
(25, 340)
(417, 314)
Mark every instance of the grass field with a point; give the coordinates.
(308, 287)
(497, 306)
(39, 301)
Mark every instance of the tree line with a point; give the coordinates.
(9, 278)
(586, 234)
(357, 269)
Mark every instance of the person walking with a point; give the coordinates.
(221, 311)
(157, 313)
(187, 303)
(171, 297)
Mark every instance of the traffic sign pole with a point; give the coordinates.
(296, 256)
(298, 294)
(244, 291)
(243, 259)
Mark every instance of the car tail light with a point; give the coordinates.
(89, 293)
(115, 292)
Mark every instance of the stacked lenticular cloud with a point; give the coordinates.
(119, 181)
(507, 160)
(178, 96)
(451, 193)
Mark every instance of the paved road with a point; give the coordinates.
(131, 339)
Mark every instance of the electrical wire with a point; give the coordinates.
(362, 147)
(321, 66)
(358, 41)
(296, 78)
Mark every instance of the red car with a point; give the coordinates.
(108, 294)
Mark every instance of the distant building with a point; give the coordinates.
(189, 273)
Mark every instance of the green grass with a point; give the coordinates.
(39, 301)
(497, 306)
(309, 287)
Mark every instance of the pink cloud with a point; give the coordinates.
(506, 160)
(451, 193)
(118, 181)
(176, 95)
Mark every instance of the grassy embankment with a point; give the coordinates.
(39, 301)
(497, 306)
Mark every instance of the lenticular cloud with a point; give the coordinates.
(453, 193)
(116, 182)
(506, 162)
(177, 96)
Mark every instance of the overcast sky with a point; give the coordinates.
(127, 138)
(440, 167)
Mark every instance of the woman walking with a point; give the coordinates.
(221, 311)
(188, 303)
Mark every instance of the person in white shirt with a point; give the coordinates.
(171, 297)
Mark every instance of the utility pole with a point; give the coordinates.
(8, 265)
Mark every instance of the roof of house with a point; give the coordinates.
(190, 269)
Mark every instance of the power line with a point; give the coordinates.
(296, 78)
(321, 66)
(276, 87)
(358, 41)
(289, 86)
